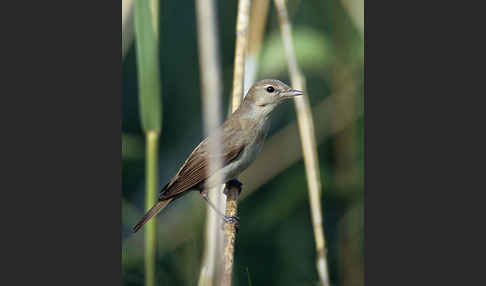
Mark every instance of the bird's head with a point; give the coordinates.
(270, 92)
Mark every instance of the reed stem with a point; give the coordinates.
(229, 235)
(242, 22)
(309, 150)
(150, 104)
(150, 199)
(258, 20)
(211, 86)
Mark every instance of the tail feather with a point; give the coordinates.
(152, 212)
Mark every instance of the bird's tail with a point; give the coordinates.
(153, 211)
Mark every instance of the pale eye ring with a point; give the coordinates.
(270, 89)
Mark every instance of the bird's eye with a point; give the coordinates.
(270, 89)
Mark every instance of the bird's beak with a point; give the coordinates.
(291, 93)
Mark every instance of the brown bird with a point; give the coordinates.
(242, 137)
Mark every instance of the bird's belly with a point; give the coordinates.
(238, 166)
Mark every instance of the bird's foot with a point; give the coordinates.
(233, 183)
(232, 220)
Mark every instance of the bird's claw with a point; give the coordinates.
(232, 220)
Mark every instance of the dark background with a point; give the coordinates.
(275, 244)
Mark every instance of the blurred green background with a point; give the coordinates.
(275, 243)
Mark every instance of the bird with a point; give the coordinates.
(242, 136)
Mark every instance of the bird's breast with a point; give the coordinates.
(254, 145)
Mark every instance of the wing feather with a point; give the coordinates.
(195, 170)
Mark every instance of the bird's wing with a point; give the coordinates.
(195, 169)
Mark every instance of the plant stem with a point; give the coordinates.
(210, 71)
(229, 235)
(150, 104)
(242, 22)
(258, 19)
(150, 199)
(306, 129)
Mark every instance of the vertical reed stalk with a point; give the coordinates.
(148, 74)
(242, 22)
(150, 200)
(306, 128)
(229, 236)
(210, 71)
(258, 20)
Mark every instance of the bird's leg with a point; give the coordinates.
(204, 194)
(229, 219)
